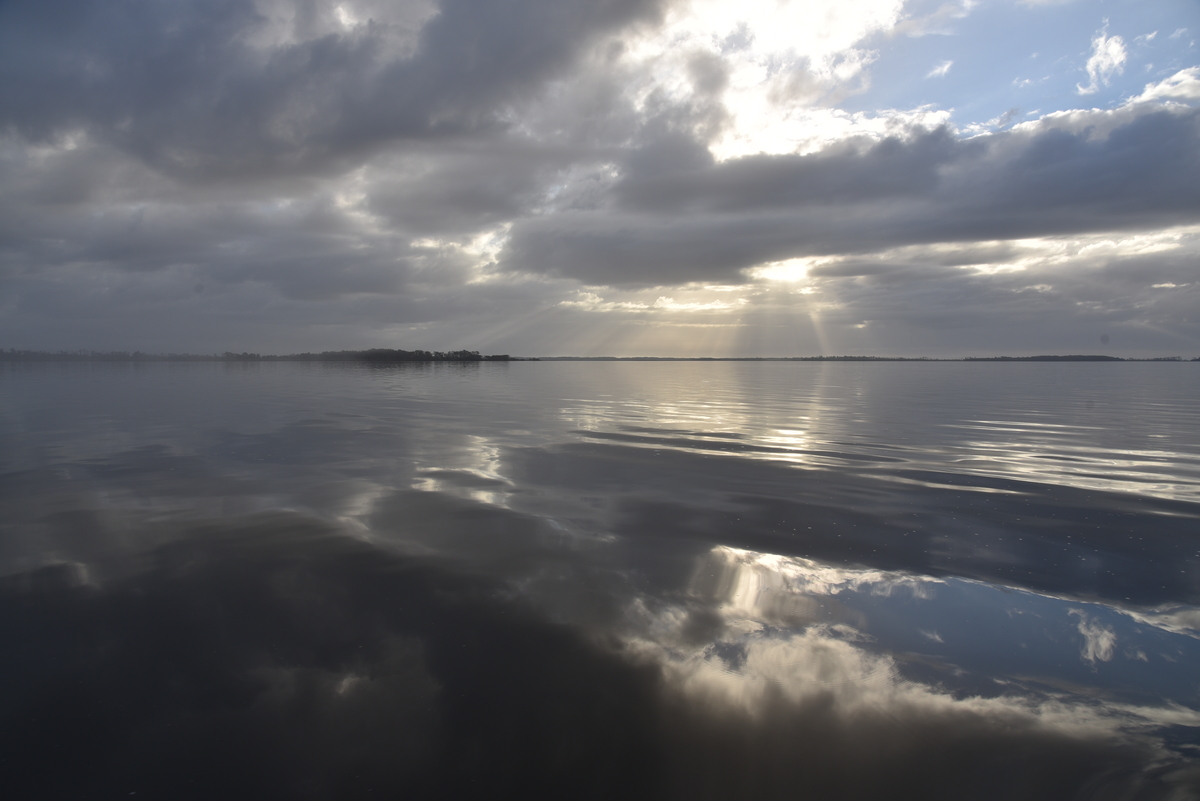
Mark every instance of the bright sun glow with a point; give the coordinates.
(782, 66)
(788, 271)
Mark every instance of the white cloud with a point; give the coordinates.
(1107, 59)
(939, 22)
(1183, 85)
(940, 70)
(808, 130)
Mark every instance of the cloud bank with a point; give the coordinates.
(283, 176)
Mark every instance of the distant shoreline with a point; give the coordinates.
(388, 356)
(1043, 358)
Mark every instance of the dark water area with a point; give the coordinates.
(600, 580)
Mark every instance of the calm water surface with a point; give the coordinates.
(600, 580)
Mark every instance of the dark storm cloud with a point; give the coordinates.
(183, 86)
(301, 248)
(167, 166)
(455, 190)
(841, 174)
(707, 223)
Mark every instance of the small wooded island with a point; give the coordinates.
(376, 355)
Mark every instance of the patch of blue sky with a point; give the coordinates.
(1011, 61)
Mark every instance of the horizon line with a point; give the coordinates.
(387, 355)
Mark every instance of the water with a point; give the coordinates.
(599, 580)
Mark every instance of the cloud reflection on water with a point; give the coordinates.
(274, 655)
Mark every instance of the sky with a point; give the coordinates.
(601, 177)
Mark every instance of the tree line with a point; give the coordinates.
(375, 355)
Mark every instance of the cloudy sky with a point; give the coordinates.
(623, 177)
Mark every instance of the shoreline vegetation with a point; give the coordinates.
(378, 355)
(390, 356)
